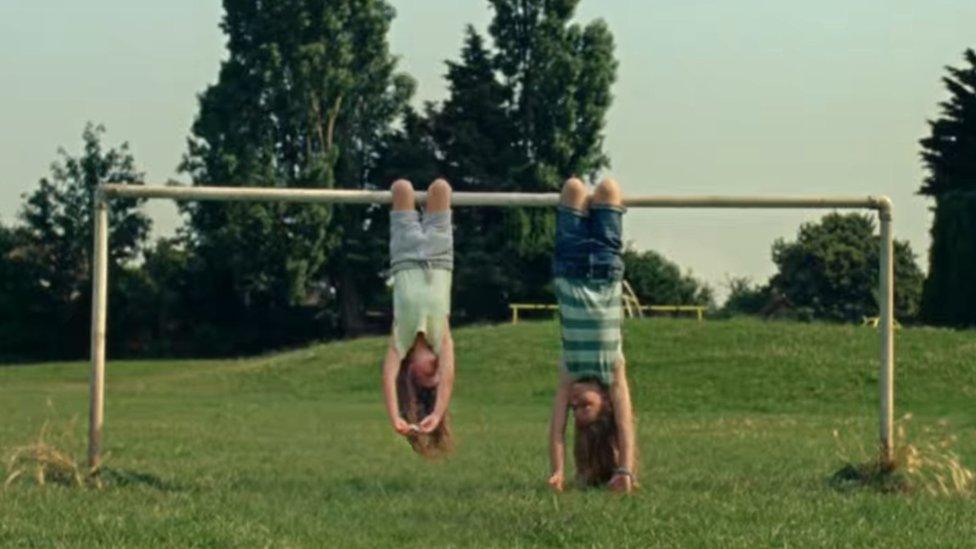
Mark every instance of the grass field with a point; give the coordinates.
(736, 422)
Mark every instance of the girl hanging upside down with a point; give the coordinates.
(418, 371)
(587, 272)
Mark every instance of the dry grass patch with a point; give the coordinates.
(925, 462)
(45, 461)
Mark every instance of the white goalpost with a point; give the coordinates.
(880, 204)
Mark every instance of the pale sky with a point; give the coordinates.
(713, 97)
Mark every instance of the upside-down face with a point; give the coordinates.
(587, 399)
(422, 364)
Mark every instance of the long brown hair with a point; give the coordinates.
(595, 450)
(416, 403)
(595, 446)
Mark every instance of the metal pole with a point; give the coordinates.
(347, 196)
(99, 310)
(886, 299)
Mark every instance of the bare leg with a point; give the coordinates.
(403, 197)
(608, 192)
(439, 196)
(575, 194)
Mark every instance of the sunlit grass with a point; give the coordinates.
(737, 423)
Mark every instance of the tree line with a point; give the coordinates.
(830, 270)
(310, 96)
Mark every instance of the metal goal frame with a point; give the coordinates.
(104, 193)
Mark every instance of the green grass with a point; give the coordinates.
(735, 423)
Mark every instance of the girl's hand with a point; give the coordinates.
(429, 423)
(401, 426)
(556, 481)
(621, 482)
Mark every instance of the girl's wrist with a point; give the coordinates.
(623, 471)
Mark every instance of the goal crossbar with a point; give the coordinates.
(104, 193)
(347, 196)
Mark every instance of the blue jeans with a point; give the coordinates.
(589, 244)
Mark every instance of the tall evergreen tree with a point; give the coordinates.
(473, 130)
(560, 74)
(522, 115)
(306, 98)
(475, 140)
(949, 153)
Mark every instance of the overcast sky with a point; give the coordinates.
(713, 97)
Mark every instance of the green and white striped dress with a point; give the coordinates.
(591, 313)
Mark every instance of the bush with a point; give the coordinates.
(745, 297)
(832, 270)
(659, 281)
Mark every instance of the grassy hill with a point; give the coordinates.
(736, 422)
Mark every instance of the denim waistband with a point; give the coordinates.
(600, 271)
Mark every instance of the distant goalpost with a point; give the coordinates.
(104, 193)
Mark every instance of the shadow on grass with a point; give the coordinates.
(457, 489)
(873, 476)
(125, 478)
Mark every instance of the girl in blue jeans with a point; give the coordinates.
(587, 278)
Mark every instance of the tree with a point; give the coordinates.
(831, 270)
(306, 98)
(23, 301)
(521, 115)
(745, 297)
(57, 237)
(949, 154)
(559, 75)
(58, 215)
(472, 130)
(474, 138)
(658, 281)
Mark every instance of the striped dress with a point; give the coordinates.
(591, 313)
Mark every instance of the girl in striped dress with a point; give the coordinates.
(588, 271)
(418, 371)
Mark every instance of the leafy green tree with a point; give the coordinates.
(659, 281)
(306, 98)
(58, 214)
(949, 153)
(831, 270)
(162, 321)
(24, 303)
(57, 238)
